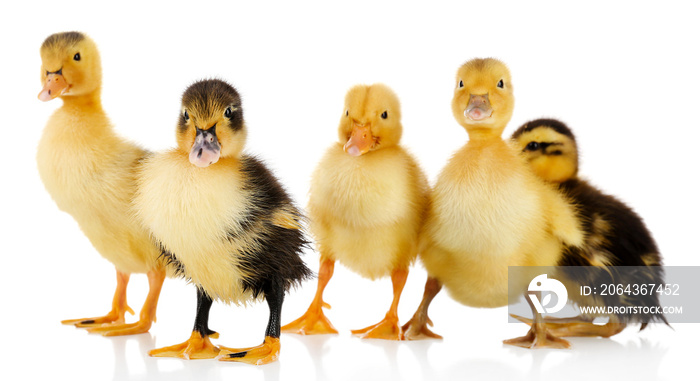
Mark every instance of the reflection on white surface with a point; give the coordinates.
(633, 355)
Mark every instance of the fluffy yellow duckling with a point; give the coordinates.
(224, 221)
(615, 234)
(488, 210)
(367, 202)
(90, 173)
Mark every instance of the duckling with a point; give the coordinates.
(488, 210)
(223, 220)
(615, 234)
(89, 171)
(367, 202)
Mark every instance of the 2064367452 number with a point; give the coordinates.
(640, 289)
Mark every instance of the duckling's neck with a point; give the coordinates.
(85, 102)
(485, 134)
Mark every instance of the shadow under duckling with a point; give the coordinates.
(90, 172)
(367, 203)
(488, 211)
(223, 220)
(615, 234)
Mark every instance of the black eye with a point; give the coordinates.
(186, 116)
(532, 146)
(461, 84)
(228, 112)
(347, 112)
(384, 115)
(500, 84)
(76, 57)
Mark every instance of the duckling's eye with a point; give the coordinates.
(186, 116)
(500, 84)
(347, 112)
(384, 115)
(228, 112)
(532, 146)
(76, 57)
(461, 84)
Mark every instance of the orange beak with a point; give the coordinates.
(55, 86)
(361, 140)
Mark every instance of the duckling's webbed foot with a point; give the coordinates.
(417, 327)
(262, 354)
(577, 326)
(147, 315)
(269, 350)
(388, 328)
(314, 321)
(119, 307)
(539, 337)
(198, 346)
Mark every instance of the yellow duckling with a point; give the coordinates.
(90, 173)
(367, 203)
(488, 210)
(615, 234)
(224, 221)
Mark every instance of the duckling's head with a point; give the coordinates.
(70, 66)
(550, 148)
(483, 98)
(371, 119)
(211, 122)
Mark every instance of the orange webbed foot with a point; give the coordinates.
(576, 326)
(113, 317)
(262, 354)
(196, 347)
(141, 326)
(313, 322)
(417, 329)
(387, 329)
(539, 337)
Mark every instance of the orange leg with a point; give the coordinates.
(417, 327)
(148, 312)
(119, 307)
(538, 336)
(314, 322)
(388, 328)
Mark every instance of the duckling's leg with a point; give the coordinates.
(578, 326)
(314, 322)
(119, 307)
(269, 350)
(388, 328)
(198, 346)
(417, 327)
(538, 336)
(148, 311)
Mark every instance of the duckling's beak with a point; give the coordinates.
(361, 140)
(479, 107)
(55, 86)
(206, 149)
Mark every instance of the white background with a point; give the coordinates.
(623, 75)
